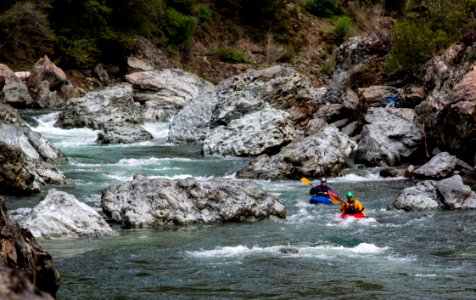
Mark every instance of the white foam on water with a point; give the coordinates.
(425, 275)
(321, 251)
(158, 130)
(148, 161)
(234, 251)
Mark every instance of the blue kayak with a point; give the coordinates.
(320, 200)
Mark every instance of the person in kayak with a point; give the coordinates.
(352, 206)
(322, 189)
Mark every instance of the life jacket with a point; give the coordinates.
(351, 209)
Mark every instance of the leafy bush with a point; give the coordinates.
(429, 28)
(342, 28)
(178, 27)
(204, 15)
(234, 56)
(25, 35)
(322, 8)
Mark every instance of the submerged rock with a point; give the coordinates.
(21, 252)
(145, 202)
(60, 215)
(440, 166)
(323, 154)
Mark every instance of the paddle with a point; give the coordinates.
(333, 196)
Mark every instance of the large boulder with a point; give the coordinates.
(14, 285)
(253, 134)
(448, 114)
(25, 158)
(112, 106)
(13, 91)
(128, 134)
(168, 89)
(146, 56)
(280, 87)
(456, 195)
(440, 166)
(61, 216)
(324, 153)
(145, 202)
(359, 63)
(48, 84)
(389, 139)
(21, 252)
(449, 193)
(423, 196)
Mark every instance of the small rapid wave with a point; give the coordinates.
(300, 251)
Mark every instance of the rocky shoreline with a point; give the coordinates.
(276, 116)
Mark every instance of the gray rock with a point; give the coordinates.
(456, 195)
(359, 59)
(24, 163)
(280, 87)
(128, 134)
(15, 92)
(447, 114)
(148, 54)
(251, 135)
(423, 196)
(112, 106)
(61, 216)
(389, 139)
(440, 166)
(376, 95)
(147, 202)
(171, 88)
(322, 154)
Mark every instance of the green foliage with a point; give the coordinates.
(178, 27)
(183, 6)
(327, 68)
(234, 56)
(204, 15)
(342, 28)
(322, 8)
(431, 26)
(25, 34)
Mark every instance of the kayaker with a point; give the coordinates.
(352, 206)
(322, 189)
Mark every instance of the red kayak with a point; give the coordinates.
(356, 216)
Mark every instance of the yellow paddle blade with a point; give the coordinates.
(305, 180)
(335, 201)
(334, 197)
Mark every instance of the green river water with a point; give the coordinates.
(390, 255)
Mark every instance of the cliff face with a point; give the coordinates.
(21, 253)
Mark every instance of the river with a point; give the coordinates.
(390, 255)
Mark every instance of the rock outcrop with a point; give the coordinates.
(279, 87)
(113, 134)
(146, 56)
(448, 114)
(48, 84)
(390, 137)
(440, 166)
(449, 193)
(168, 89)
(21, 252)
(61, 216)
(112, 106)
(13, 91)
(254, 134)
(323, 154)
(26, 157)
(146, 202)
(359, 63)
